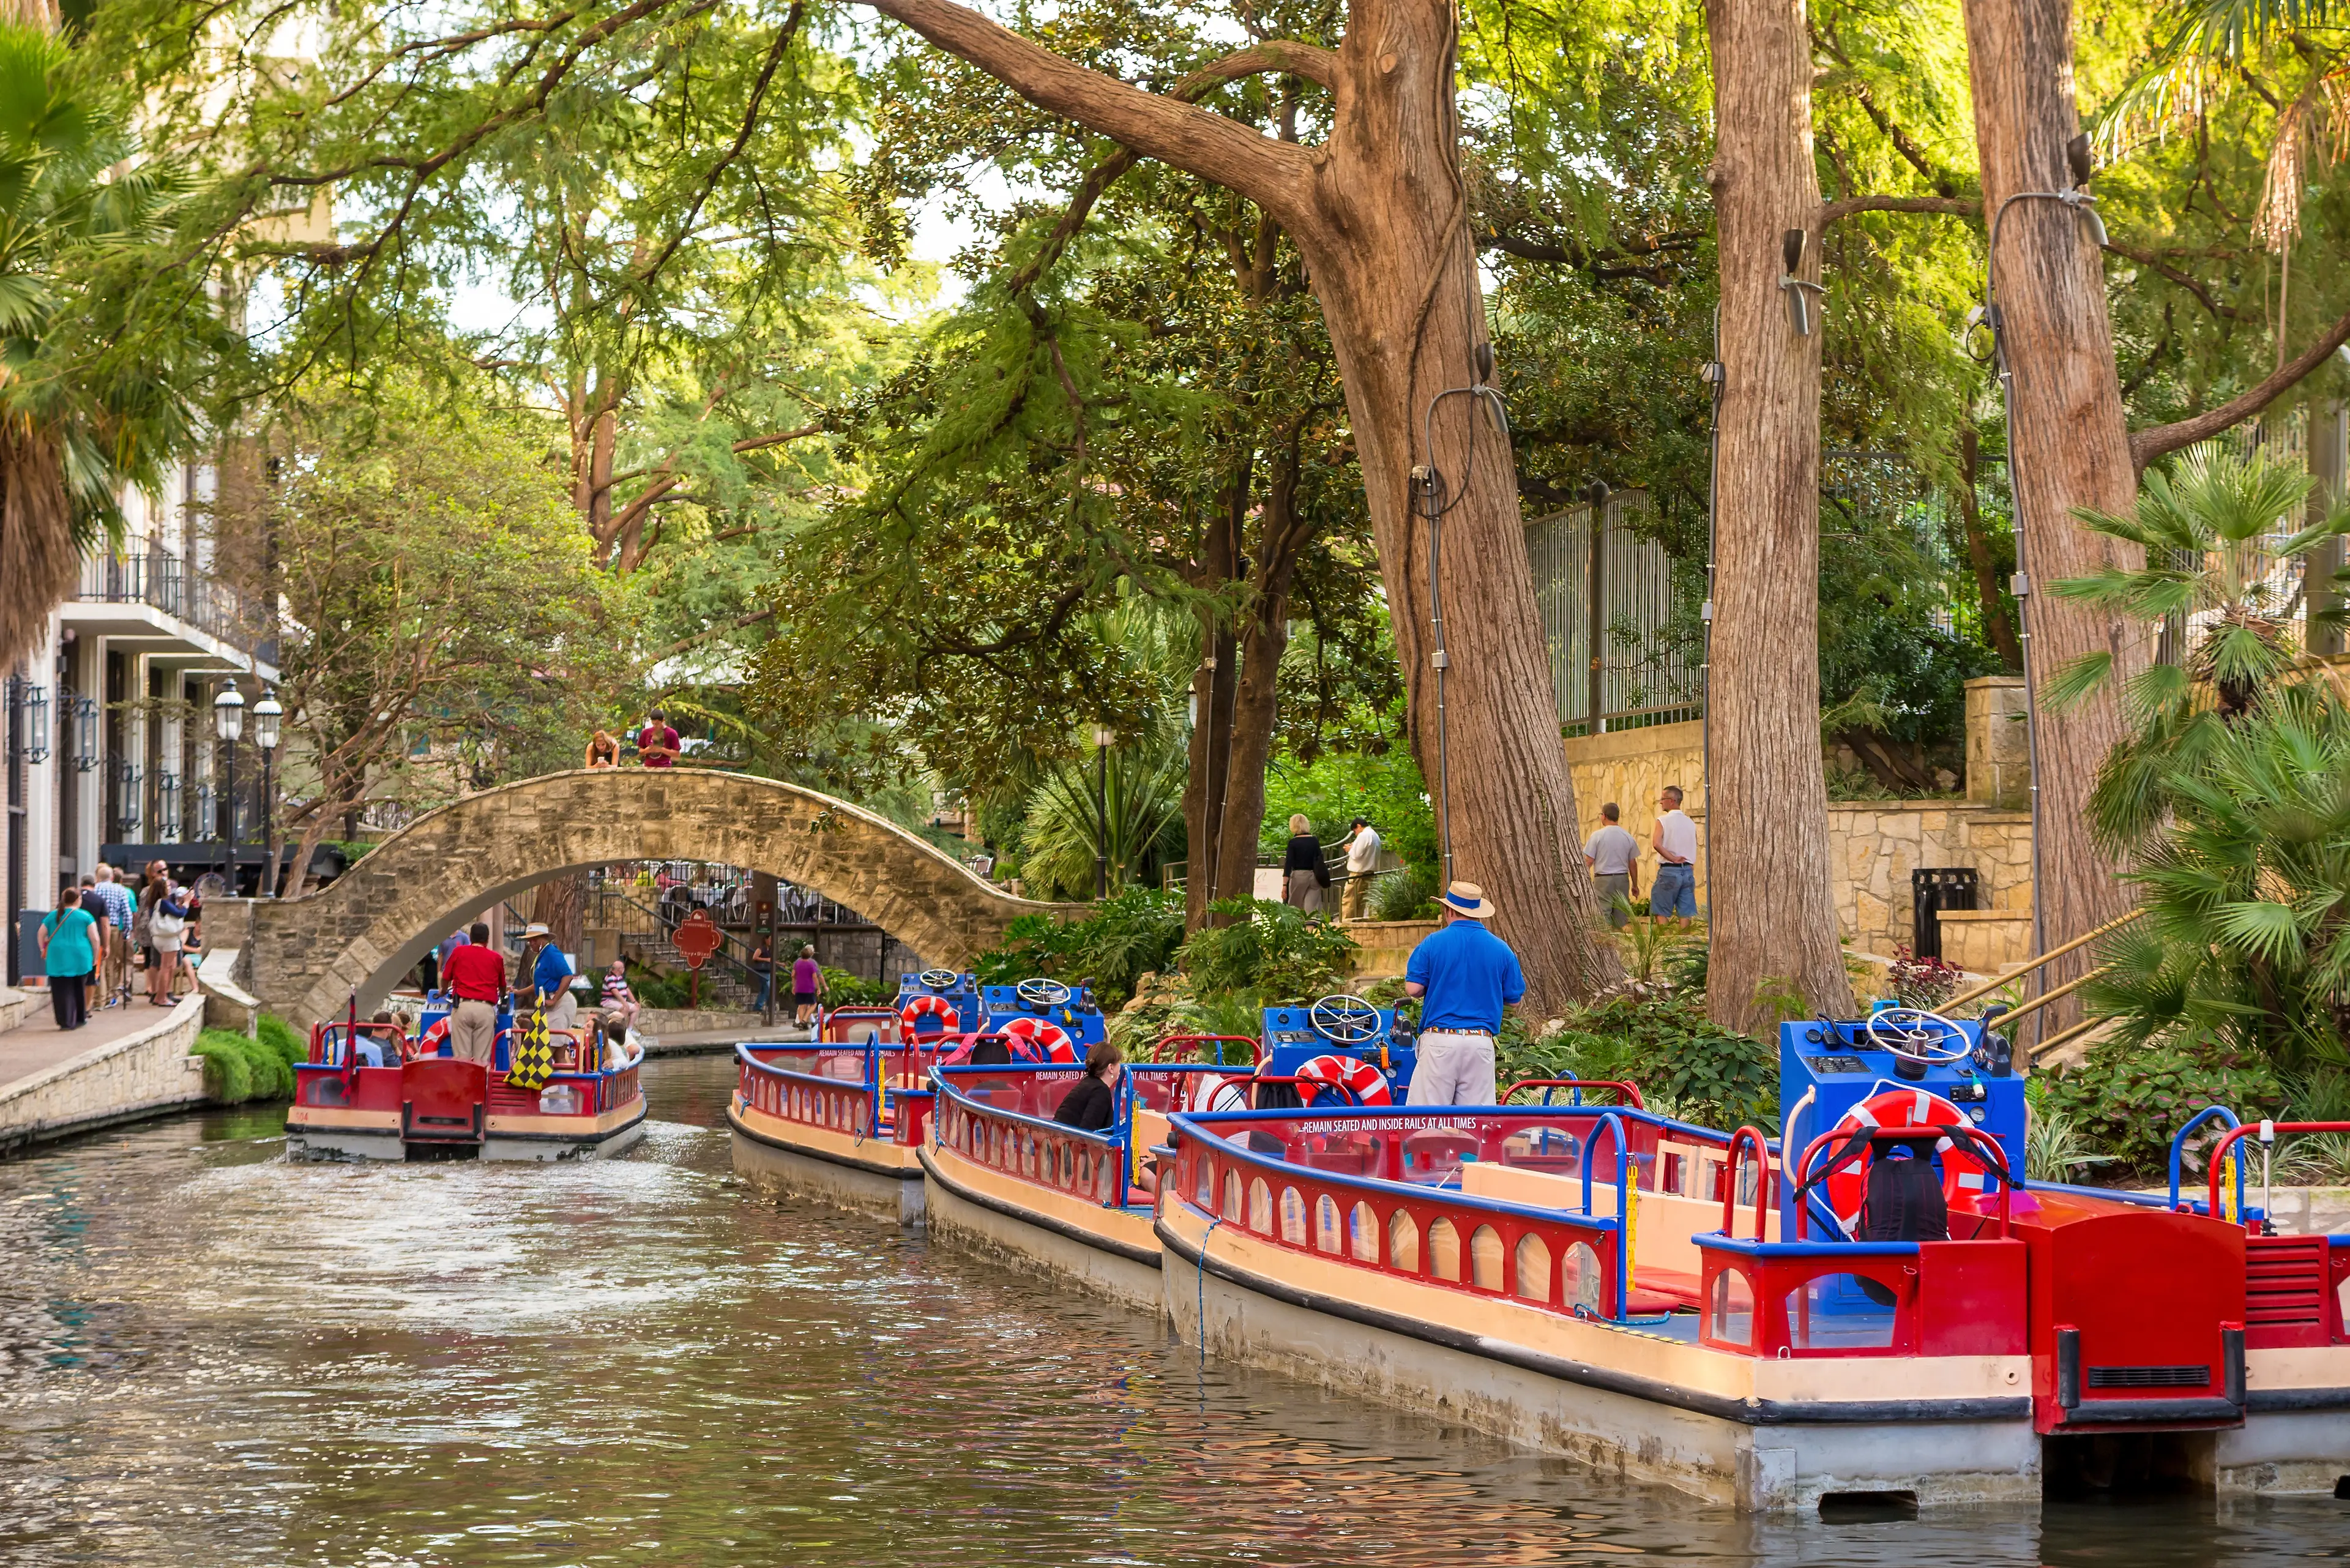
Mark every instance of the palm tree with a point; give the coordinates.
(2215, 530)
(95, 347)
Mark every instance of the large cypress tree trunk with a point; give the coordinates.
(2067, 444)
(1379, 214)
(1766, 795)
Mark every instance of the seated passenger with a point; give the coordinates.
(1092, 1106)
(379, 1042)
(619, 1003)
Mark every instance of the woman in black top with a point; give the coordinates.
(1092, 1106)
(1304, 872)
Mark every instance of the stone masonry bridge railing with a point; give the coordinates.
(371, 926)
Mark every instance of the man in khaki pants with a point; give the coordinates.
(475, 977)
(1464, 976)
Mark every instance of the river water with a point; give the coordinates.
(208, 1355)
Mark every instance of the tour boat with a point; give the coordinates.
(835, 1115)
(1657, 1298)
(389, 1097)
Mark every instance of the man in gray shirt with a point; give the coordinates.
(1613, 857)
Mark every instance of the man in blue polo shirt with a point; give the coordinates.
(1464, 976)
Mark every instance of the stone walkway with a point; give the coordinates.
(37, 1044)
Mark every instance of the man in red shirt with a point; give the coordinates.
(657, 742)
(475, 975)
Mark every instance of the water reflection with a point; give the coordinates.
(210, 1356)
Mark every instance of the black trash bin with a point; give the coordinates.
(1932, 890)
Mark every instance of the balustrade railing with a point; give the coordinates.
(146, 573)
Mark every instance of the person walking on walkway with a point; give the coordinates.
(69, 936)
(1362, 848)
(1674, 838)
(109, 903)
(1304, 872)
(1613, 857)
(763, 964)
(167, 931)
(1465, 976)
(475, 977)
(807, 986)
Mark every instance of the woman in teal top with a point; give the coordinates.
(69, 955)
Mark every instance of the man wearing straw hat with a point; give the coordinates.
(1464, 976)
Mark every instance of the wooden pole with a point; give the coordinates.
(2003, 981)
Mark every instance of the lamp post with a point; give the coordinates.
(228, 723)
(1102, 738)
(265, 716)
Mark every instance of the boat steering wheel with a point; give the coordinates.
(1042, 993)
(938, 978)
(1345, 1020)
(1917, 1035)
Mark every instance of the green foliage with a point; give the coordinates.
(1270, 949)
(842, 989)
(1339, 786)
(2242, 944)
(1132, 933)
(281, 1037)
(1408, 894)
(2128, 1100)
(666, 992)
(238, 1068)
(1708, 1075)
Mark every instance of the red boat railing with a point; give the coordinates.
(1165, 1042)
(1630, 1093)
(812, 1100)
(1314, 1184)
(998, 1117)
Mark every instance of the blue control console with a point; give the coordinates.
(1079, 1016)
(1291, 1037)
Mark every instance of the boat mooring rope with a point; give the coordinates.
(1200, 1279)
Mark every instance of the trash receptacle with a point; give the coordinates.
(1932, 890)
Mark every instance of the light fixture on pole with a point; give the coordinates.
(266, 713)
(1103, 737)
(228, 724)
(85, 724)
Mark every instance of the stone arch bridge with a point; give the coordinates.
(371, 926)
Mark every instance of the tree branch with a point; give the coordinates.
(2156, 265)
(1962, 206)
(737, 624)
(1273, 174)
(2156, 440)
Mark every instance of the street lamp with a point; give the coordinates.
(265, 715)
(1103, 737)
(228, 723)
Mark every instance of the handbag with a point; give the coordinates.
(534, 1053)
(166, 924)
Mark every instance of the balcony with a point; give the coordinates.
(152, 591)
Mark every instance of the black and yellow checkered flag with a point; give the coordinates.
(534, 1054)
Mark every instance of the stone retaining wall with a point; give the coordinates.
(138, 1076)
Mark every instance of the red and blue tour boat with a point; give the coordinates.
(370, 1091)
(1679, 1304)
(841, 1115)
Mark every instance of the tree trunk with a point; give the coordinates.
(1213, 687)
(1256, 699)
(2067, 446)
(1997, 626)
(1774, 916)
(557, 906)
(1379, 214)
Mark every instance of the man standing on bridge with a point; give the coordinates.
(657, 745)
(475, 975)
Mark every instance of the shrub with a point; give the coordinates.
(1924, 982)
(667, 993)
(1408, 894)
(1132, 933)
(1269, 948)
(1670, 1048)
(2127, 1100)
(842, 989)
(286, 1040)
(238, 1068)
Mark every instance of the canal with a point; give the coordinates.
(210, 1356)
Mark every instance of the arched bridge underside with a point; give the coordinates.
(371, 926)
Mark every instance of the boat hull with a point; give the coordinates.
(359, 1134)
(1034, 1229)
(1255, 1305)
(870, 1175)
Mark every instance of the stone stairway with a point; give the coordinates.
(722, 985)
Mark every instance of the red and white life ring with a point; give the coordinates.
(1962, 1169)
(910, 1017)
(1367, 1083)
(1049, 1040)
(428, 1043)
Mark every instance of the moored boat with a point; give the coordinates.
(370, 1091)
(838, 1116)
(1657, 1297)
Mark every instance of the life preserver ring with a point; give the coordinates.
(1365, 1082)
(910, 1016)
(1049, 1040)
(1962, 1168)
(428, 1043)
